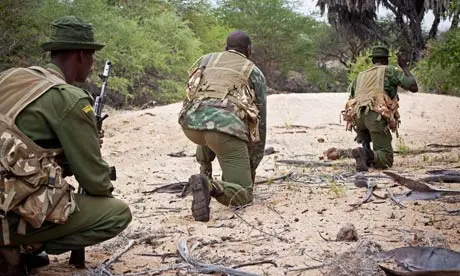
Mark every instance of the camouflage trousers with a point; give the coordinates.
(370, 127)
(233, 156)
(97, 219)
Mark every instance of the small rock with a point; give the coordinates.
(347, 233)
(320, 140)
(296, 220)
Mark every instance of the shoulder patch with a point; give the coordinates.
(87, 108)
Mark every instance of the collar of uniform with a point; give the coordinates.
(55, 70)
(236, 52)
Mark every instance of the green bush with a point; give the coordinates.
(438, 72)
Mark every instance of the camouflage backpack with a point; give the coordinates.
(226, 77)
(31, 183)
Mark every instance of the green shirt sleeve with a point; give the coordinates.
(79, 138)
(260, 87)
(398, 78)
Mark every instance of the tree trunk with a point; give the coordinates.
(455, 21)
(434, 26)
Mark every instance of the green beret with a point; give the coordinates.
(71, 33)
(380, 51)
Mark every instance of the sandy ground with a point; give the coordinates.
(284, 222)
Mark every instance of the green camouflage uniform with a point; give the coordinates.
(63, 118)
(370, 126)
(209, 115)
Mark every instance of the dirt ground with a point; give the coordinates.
(284, 223)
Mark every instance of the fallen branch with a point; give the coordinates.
(442, 178)
(370, 190)
(454, 212)
(104, 268)
(305, 268)
(293, 132)
(260, 230)
(207, 268)
(177, 154)
(270, 180)
(292, 126)
(168, 188)
(392, 197)
(420, 151)
(255, 263)
(306, 163)
(419, 186)
(158, 270)
(443, 146)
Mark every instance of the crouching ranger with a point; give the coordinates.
(372, 109)
(225, 115)
(47, 132)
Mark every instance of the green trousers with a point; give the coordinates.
(233, 156)
(97, 219)
(370, 127)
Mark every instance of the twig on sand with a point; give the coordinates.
(157, 271)
(304, 268)
(256, 263)
(104, 268)
(260, 230)
(270, 180)
(370, 190)
(324, 238)
(168, 188)
(420, 151)
(393, 198)
(305, 163)
(184, 253)
(443, 146)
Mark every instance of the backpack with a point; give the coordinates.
(31, 182)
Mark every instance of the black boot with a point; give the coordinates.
(362, 159)
(32, 261)
(201, 197)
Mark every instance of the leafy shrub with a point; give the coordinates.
(438, 72)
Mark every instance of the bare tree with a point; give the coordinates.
(358, 18)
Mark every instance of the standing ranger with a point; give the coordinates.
(225, 115)
(372, 110)
(47, 132)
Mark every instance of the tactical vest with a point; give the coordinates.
(226, 77)
(31, 182)
(370, 93)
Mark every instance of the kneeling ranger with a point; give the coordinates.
(225, 115)
(372, 110)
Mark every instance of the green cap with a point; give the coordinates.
(380, 51)
(71, 33)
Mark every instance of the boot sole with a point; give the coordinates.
(201, 198)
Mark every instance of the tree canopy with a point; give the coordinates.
(152, 44)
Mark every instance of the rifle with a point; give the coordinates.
(77, 256)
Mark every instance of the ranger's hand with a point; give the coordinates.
(101, 138)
